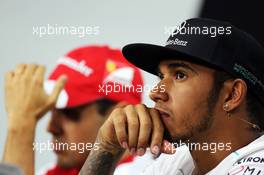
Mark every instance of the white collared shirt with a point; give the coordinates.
(248, 160)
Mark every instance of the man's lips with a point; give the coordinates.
(163, 113)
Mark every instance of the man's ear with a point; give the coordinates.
(235, 93)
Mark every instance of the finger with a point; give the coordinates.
(119, 121)
(20, 68)
(9, 75)
(57, 89)
(157, 132)
(30, 70)
(167, 147)
(144, 130)
(40, 73)
(133, 127)
(8, 79)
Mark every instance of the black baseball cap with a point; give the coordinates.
(209, 42)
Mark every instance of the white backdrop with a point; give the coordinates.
(120, 22)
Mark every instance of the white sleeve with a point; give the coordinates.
(180, 163)
(136, 166)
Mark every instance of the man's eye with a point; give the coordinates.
(180, 75)
(71, 114)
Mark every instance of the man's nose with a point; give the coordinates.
(55, 124)
(159, 92)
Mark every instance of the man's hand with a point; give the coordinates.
(25, 95)
(132, 127)
(26, 102)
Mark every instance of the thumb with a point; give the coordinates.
(57, 89)
(167, 147)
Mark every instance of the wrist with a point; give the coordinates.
(108, 147)
(21, 121)
(21, 134)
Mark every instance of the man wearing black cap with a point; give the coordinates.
(210, 97)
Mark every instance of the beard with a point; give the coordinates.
(206, 121)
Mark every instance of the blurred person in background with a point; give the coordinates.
(80, 95)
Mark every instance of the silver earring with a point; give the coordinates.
(225, 107)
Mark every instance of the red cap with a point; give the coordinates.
(96, 72)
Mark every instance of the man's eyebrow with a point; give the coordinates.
(175, 65)
(181, 64)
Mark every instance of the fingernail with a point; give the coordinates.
(155, 150)
(140, 151)
(124, 145)
(133, 151)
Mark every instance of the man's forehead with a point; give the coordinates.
(172, 63)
